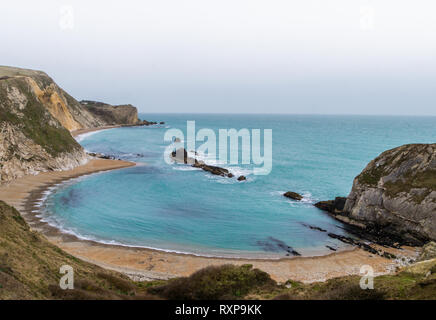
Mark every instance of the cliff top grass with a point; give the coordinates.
(402, 161)
(39, 76)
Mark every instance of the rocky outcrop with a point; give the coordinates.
(293, 195)
(64, 108)
(36, 116)
(332, 206)
(31, 138)
(181, 156)
(395, 195)
(113, 115)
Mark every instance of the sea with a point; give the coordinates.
(174, 207)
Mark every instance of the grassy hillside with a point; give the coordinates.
(29, 267)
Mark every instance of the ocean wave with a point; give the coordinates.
(81, 137)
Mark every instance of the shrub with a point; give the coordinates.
(216, 282)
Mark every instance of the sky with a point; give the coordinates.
(232, 56)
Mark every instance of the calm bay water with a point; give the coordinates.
(178, 208)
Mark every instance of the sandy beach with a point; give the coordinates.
(147, 264)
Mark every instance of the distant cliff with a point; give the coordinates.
(112, 115)
(36, 116)
(394, 195)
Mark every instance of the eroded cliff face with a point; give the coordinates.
(396, 194)
(60, 104)
(36, 116)
(32, 139)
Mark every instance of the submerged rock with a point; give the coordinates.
(242, 178)
(293, 195)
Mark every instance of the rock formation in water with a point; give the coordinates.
(293, 195)
(181, 156)
(395, 195)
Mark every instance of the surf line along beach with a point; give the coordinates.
(147, 264)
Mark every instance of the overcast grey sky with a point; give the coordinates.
(280, 56)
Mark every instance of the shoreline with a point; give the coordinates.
(151, 264)
(78, 132)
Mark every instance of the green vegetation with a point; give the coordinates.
(217, 282)
(394, 159)
(371, 177)
(404, 285)
(29, 269)
(35, 121)
(411, 180)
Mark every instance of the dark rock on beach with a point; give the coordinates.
(293, 195)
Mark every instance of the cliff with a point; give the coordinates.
(394, 195)
(36, 116)
(112, 115)
(58, 103)
(32, 139)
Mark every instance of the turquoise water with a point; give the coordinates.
(176, 208)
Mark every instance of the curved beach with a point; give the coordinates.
(147, 264)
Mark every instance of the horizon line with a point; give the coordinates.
(294, 114)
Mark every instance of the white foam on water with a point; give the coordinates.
(85, 135)
(308, 199)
